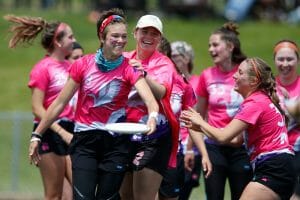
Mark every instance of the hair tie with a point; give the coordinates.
(107, 21)
(285, 44)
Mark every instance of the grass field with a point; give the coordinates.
(257, 39)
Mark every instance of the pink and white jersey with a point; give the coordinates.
(266, 133)
(223, 101)
(293, 127)
(159, 68)
(182, 97)
(50, 76)
(102, 96)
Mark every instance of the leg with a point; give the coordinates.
(67, 188)
(126, 190)
(146, 183)
(215, 183)
(52, 169)
(109, 185)
(255, 190)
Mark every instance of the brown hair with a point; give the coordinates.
(106, 14)
(229, 33)
(267, 83)
(26, 29)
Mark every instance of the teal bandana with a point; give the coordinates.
(107, 65)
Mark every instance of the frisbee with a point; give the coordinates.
(127, 128)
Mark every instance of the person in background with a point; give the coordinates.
(182, 55)
(174, 182)
(77, 52)
(103, 81)
(286, 59)
(47, 79)
(265, 132)
(218, 102)
(152, 154)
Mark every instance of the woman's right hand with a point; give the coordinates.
(34, 156)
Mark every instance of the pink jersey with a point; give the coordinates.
(293, 127)
(266, 133)
(160, 68)
(50, 76)
(182, 97)
(102, 96)
(223, 101)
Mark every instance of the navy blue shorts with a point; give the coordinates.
(173, 179)
(52, 142)
(277, 173)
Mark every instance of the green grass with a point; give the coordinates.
(257, 39)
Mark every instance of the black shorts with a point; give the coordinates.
(173, 179)
(297, 168)
(235, 159)
(152, 153)
(99, 162)
(52, 142)
(278, 174)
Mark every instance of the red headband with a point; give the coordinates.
(107, 21)
(285, 44)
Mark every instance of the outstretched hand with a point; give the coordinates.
(191, 118)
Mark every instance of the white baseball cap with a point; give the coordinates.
(150, 21)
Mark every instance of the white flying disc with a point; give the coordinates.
(127, 128)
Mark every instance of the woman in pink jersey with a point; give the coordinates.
(151, 154)
(178, 183)
(46, 81)
(183, 56)
(103, 80)
(286, 58)
(218, 103)
(263, 122)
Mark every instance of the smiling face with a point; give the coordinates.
(66, 42)
(147, 38)
(115, 41)
(219, 50)
(286, 62)
(243, 81)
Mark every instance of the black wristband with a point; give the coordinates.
(36, 135)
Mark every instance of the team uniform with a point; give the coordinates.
(233, 162)
(153, 151)
(100, 157)
(182, 97)
(293, 127)
(50, 76)
(266, 138)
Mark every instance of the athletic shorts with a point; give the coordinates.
(278, 174)
(236, 159)
(152, 153)
(173, 179)
(99, 163)
(99, 149)
(192, 177)
(297, 168)
(52, 142)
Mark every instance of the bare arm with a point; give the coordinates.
(145, 93)
(193, 120)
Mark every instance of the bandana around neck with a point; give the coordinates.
(107, 65)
